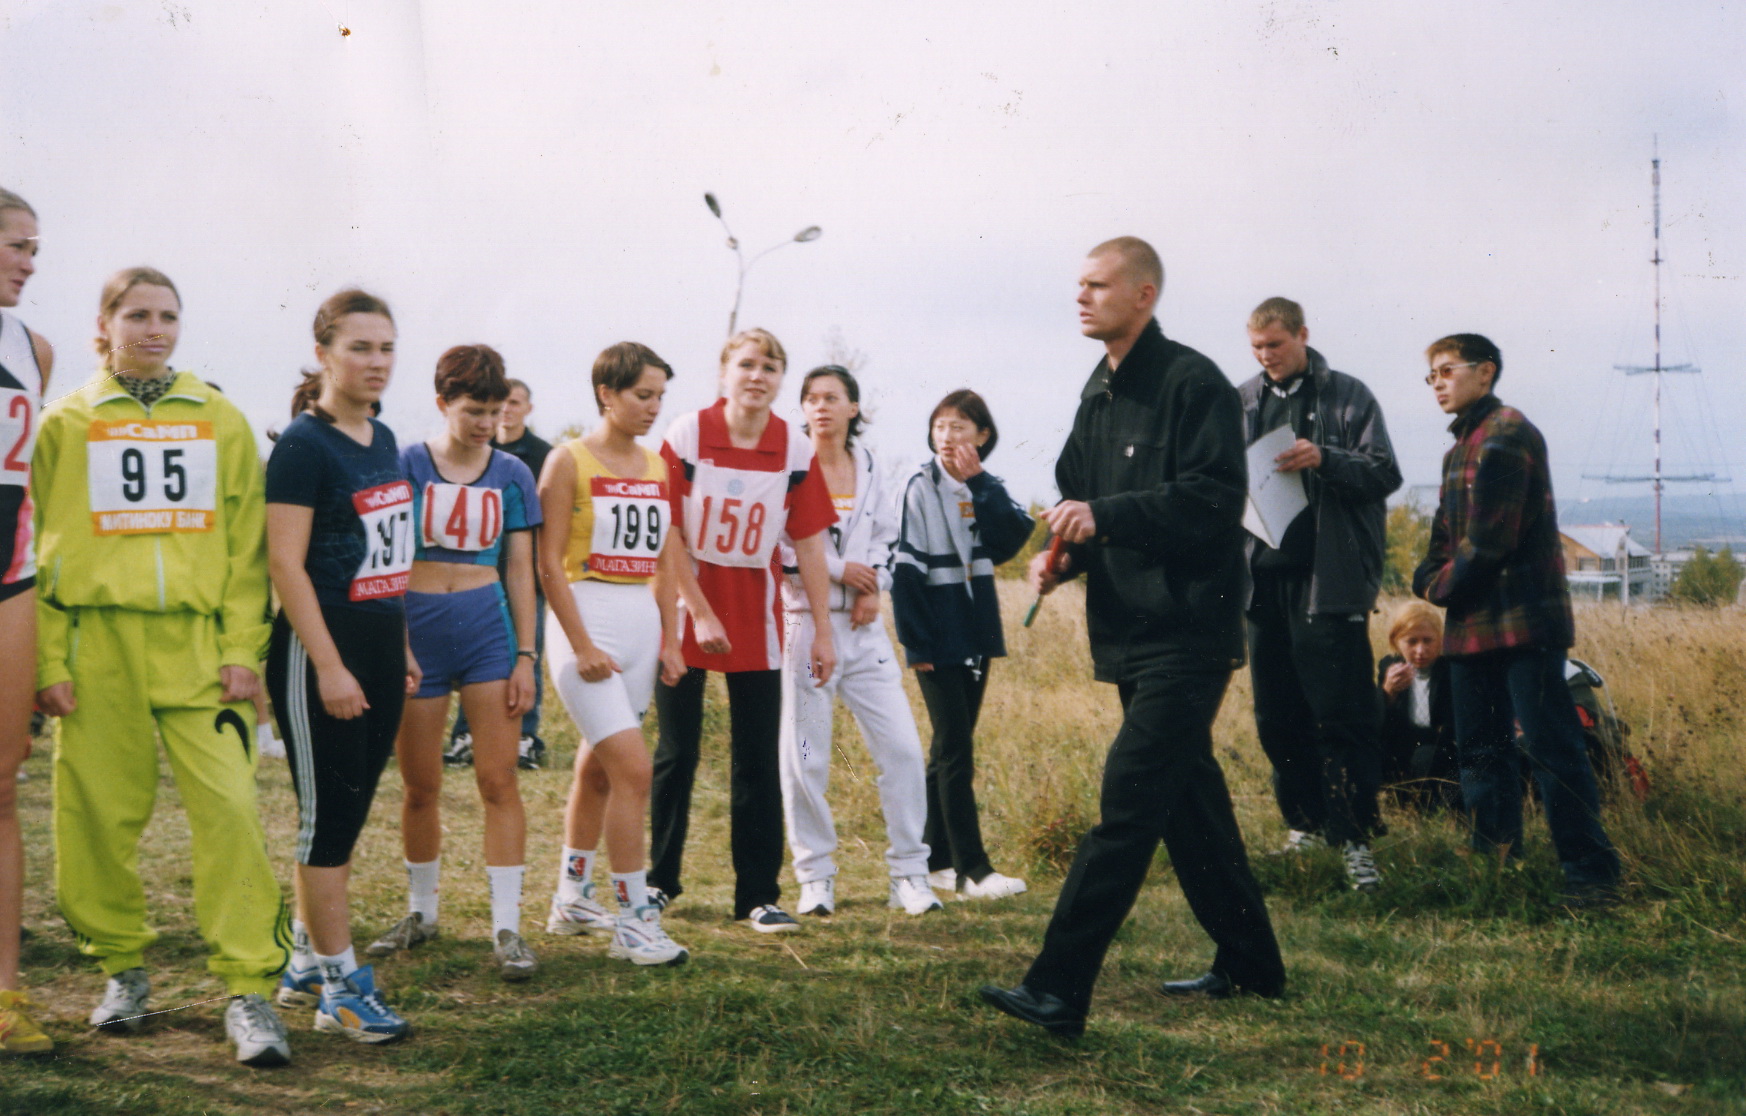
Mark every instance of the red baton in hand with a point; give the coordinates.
(1053, 561)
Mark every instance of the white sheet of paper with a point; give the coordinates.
(1275, 498)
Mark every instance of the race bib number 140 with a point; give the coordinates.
(152, 477)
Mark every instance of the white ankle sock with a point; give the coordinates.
(632, 890)
(505, 897)
(302, 953)
(421, 888)
(335, 969)
(575, 869)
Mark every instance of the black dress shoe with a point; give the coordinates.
(1046, 1010)
(1214, 986)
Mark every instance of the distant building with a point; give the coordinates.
(1592, 563)
(1666, 569)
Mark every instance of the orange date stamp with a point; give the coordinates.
(1484, 1059)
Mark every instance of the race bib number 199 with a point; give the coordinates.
(152, 477)
(630, 523)
(387, 566)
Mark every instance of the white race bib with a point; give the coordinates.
(17, 435)
(151, 477)
(387, 566)
(461, 517)
(630, 524)
(733, 516)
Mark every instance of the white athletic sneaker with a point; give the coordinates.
(578, 916)
(912, 895)
(943, 879)
(993, 886)
(514, 960)
(124, 1002)
(1298, 840)
(257, 1031)
(1361, 867)
(818, 897)
(639, 939)
(408, 932)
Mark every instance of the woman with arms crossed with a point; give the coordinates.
(471, 505)
(339, 534)
(607, 536)
(25, 361)
(152, 621)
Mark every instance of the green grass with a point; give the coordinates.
(1641, 1009)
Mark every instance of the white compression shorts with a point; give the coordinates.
(623, 621)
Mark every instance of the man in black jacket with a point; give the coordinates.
(1152, 482)
(1316, 708)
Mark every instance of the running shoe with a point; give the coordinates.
(257, 1031)
(659, 899)
(1361, 867)
(992, 886)
(299, 988)
(514, 960)
(124, 1002)
(19, 1031)
(460, 753)
(771, 919)
(357, 1010)
(818, 897)
(579, 916)
(639, 939)
(1300, 840)
(912, 895)
(943, 879)
(408, 932)
(530, 753)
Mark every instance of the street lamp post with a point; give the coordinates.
(804, 236)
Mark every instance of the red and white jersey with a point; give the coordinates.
(734, 506)
(20, 400)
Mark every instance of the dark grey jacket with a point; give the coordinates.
(1347, 492)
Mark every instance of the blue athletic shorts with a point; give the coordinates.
(460, 638)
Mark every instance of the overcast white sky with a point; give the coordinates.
(530, 174)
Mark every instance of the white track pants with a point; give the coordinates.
(869, 679)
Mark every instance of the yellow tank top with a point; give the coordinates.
(617, 524)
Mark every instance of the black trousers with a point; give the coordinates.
(953, 694)
(1161, 782)
(1317, 710)
(755, 787)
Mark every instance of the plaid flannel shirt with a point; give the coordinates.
(1495, 562)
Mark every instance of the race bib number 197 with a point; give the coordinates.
(387, 566)
(152, 477)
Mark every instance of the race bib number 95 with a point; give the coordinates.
(387, 566)
(461, 517)
(152, 477)
(630, 523)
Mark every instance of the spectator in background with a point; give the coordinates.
(1418, 716)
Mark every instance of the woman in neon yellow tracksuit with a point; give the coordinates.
(152, 614)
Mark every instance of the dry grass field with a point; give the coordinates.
(1457, 988)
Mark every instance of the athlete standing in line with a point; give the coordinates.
(152, 621)
(607, 535)
(25, 361)
(466, 634)
(740, 479)
(340, 538)
(858, 554)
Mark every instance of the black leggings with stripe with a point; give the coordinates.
(335, 764)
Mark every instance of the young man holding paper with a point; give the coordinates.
(1313, 584)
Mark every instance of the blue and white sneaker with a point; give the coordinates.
(578, 916)
(358, 1011)
(299, 987)
(771, 919)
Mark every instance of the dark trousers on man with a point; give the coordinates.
(1161, 782)
(953, 693)
(754, 781)
(1494, 692)
(1317, 710)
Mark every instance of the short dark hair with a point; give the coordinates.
(522, 384)
(620, 366)
(1473, 347)
(474, 371)
(1283, 312)
(971, 406)
(847, 379)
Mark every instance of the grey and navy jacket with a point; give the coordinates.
(1347, 492)
(947, 610)
(867, 534)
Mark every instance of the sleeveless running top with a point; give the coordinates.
(617, 524)
(20, 400)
